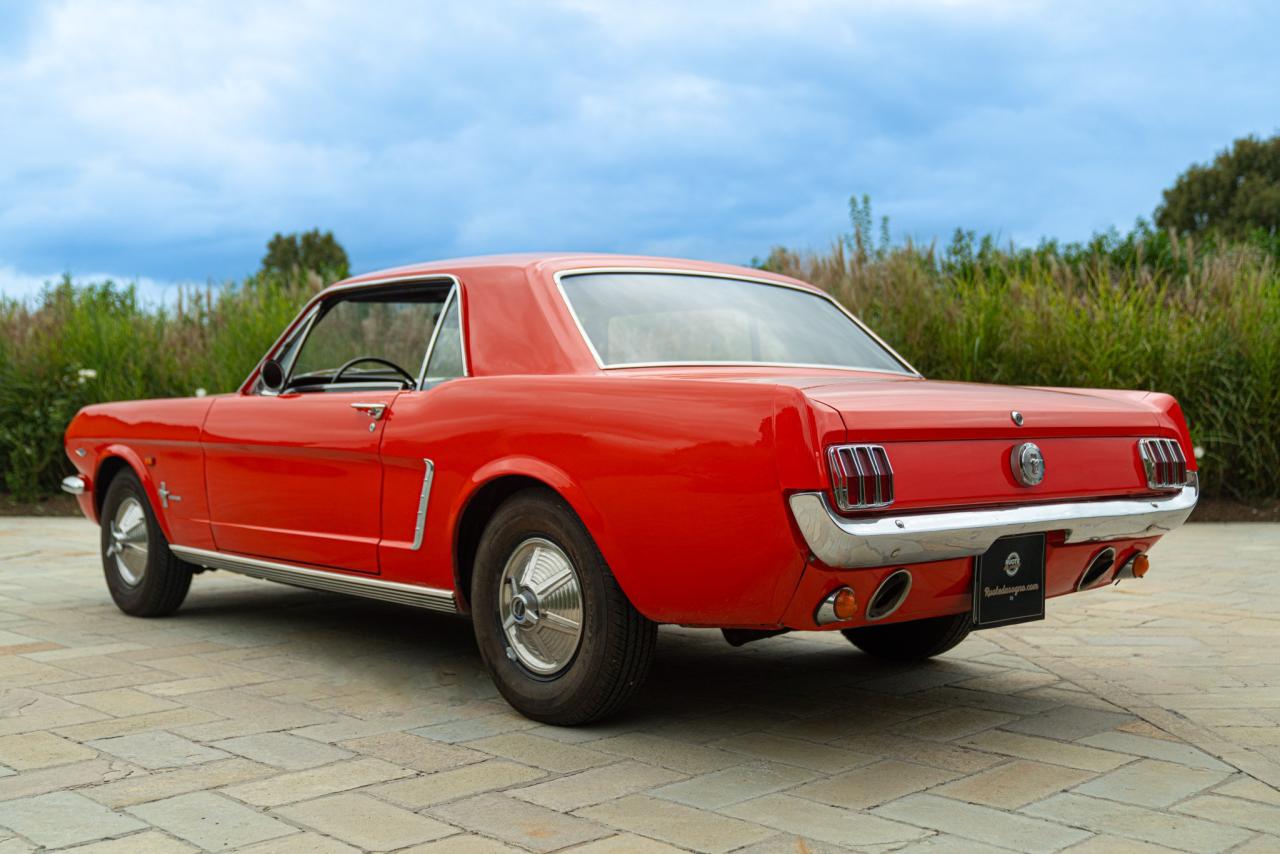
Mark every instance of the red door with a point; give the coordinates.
(296, 477)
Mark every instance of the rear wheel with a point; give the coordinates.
(563, 643)
(143, 576)
(914, 640)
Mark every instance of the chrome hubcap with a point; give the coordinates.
(129, 541)
(540, 604)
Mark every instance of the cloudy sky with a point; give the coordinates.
(165, 142)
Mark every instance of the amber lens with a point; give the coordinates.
(1140, 566)
(846, 604)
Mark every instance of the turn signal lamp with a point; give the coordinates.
(838, 606)
(1141, 564)
(845, 604)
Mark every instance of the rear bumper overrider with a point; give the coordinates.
(918, 538)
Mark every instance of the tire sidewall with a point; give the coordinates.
(539, 513)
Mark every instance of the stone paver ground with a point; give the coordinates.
(1143, 717)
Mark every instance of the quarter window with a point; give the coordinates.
(446, 360)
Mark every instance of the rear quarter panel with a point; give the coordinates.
(676, 480)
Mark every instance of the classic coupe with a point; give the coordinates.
(573, 449)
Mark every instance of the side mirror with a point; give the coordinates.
(272, 375)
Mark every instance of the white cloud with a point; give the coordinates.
(172, 139)
(20, 285)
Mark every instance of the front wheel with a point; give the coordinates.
(914, 640)
(563, 643)
(145, 578)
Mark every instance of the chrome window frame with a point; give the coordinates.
(559, 275)
(306, 319)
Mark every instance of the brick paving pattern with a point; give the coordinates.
(1145, 717)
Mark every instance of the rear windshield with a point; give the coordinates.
(673, 318)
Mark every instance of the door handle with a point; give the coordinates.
(373, 410)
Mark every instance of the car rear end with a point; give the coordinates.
(945, 498)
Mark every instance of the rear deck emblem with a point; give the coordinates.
(1027, 464)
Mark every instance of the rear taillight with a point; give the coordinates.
(861, 477)
(1164, 463)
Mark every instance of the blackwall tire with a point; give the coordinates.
(914, 640)
(145, 578)
(550, 673)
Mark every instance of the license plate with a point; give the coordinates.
(1008, 582)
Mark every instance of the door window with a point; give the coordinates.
(376, 338)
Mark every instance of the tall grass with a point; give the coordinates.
(1143, 310)
(80, 344)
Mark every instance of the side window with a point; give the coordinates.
(392, 327)
(446, 356)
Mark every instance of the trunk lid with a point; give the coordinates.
(950, 443)
(881, 410)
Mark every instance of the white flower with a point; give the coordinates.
(85, 374)
(1198, 451)
(201, 392)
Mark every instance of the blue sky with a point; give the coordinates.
(165, 142)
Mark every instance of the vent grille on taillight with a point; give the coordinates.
(1164, 462)
(861, 477)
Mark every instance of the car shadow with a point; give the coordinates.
(695, 672)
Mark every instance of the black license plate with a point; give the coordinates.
(1008, 582)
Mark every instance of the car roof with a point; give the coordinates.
(529, 328)
(549, 263)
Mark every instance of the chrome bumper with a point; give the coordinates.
(885, 540)
(73, 485)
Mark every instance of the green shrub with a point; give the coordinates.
(1144, 310)
(1141, 311)
(81, 344)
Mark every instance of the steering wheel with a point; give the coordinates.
(409, 378)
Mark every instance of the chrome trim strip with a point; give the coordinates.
(675, 271)
(923, 537)
(73, 485)
(420, 525)
(431, 598)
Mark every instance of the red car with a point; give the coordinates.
(575, 448)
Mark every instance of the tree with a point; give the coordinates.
(1238, 193)
(312, 251)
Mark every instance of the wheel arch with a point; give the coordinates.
(493, 485)
(115, 459)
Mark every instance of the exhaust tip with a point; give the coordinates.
(890, 595)
(1097, 569)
